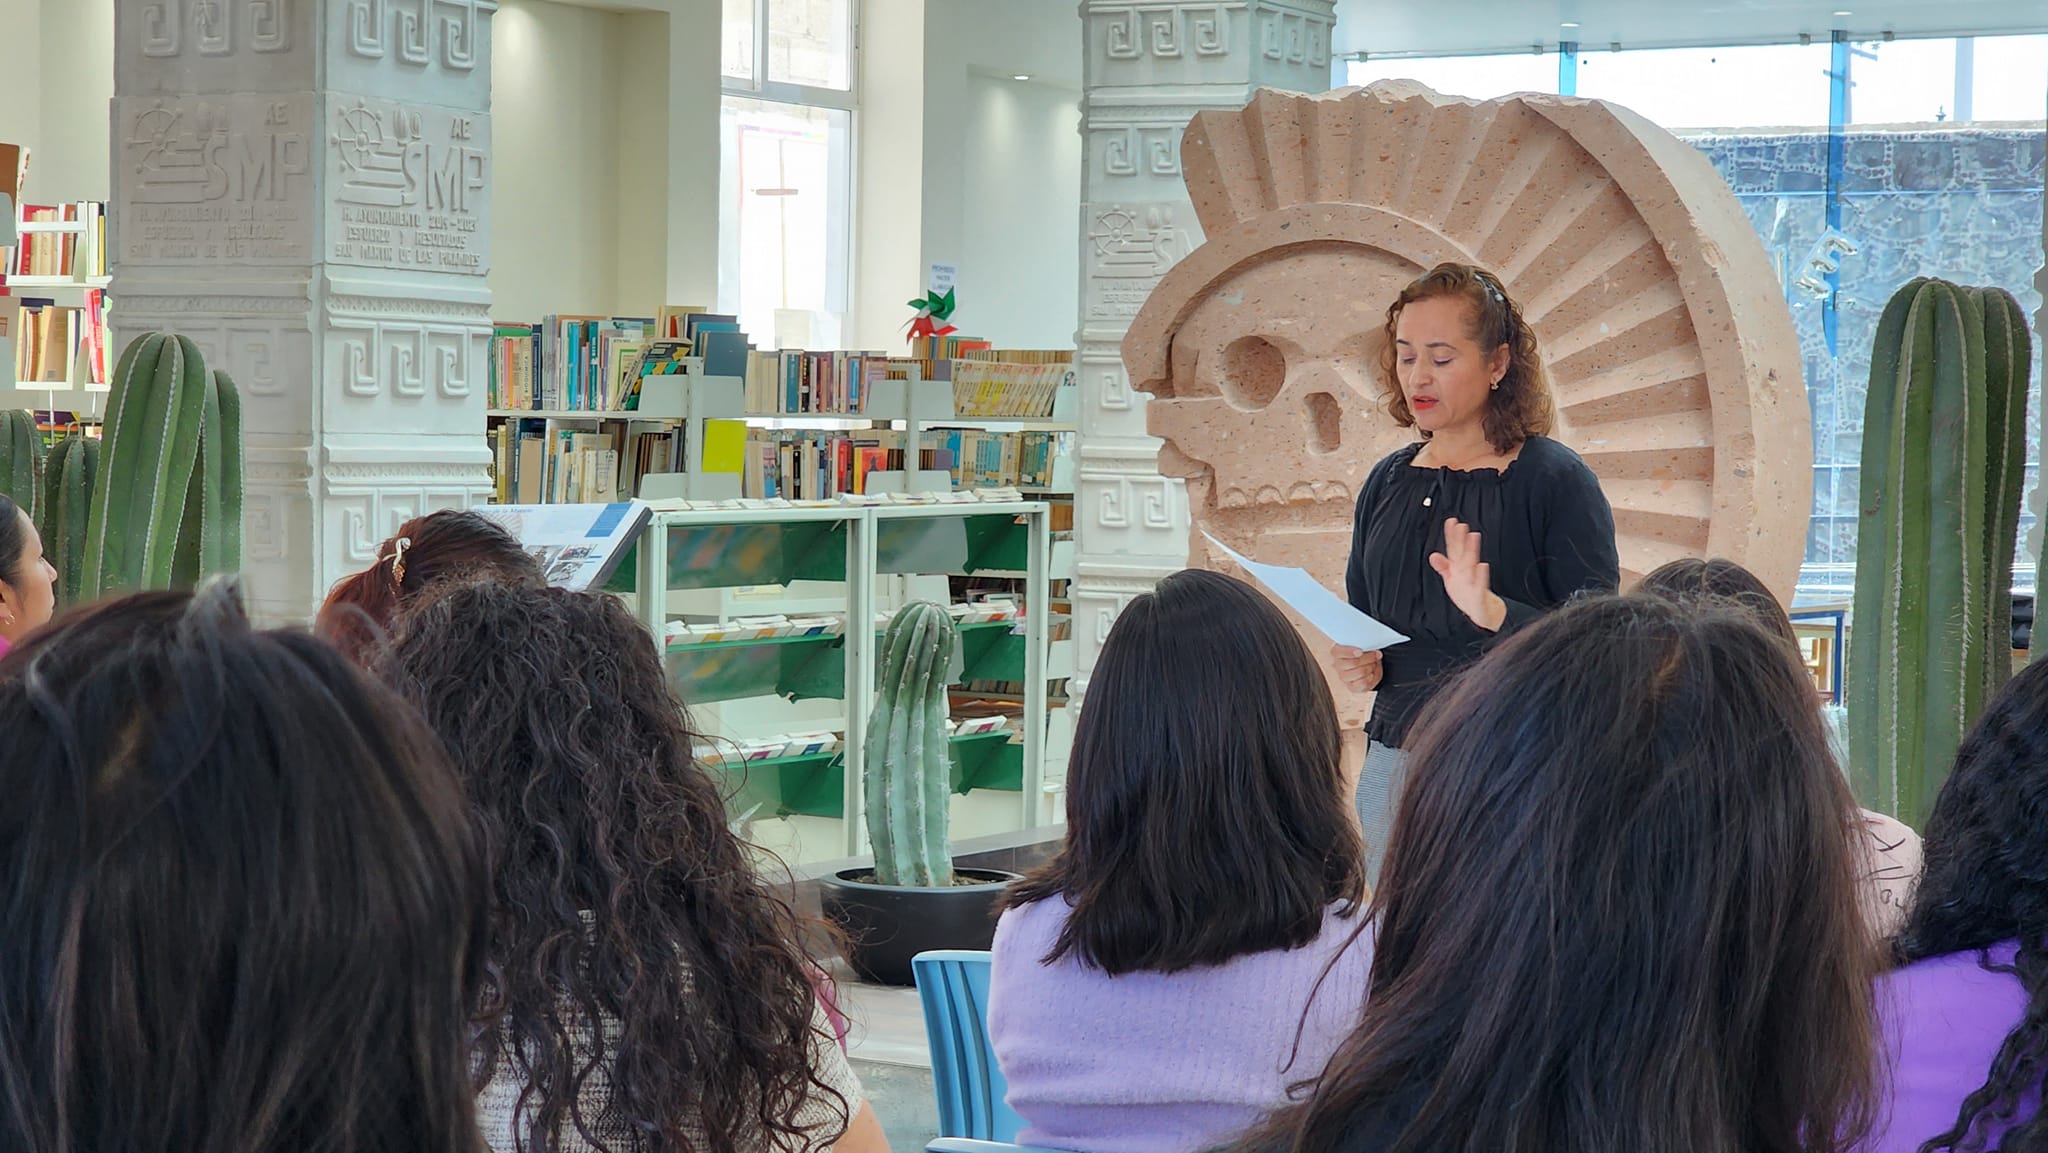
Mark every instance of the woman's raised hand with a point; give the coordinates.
(1467, 579)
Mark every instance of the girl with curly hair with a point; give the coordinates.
(646, 992)
(448, 545)
(1966, 1012)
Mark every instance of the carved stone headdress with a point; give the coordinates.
(1670, 350)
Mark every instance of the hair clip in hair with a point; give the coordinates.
(398, 559)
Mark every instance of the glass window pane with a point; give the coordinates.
(1755, 86)
(1902, 81)
(783, 228)
(736, 37)
(1479, 77)
(2011, 78)
(810, 42)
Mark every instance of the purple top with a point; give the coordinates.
(1159, 1062)
(1944, 1019)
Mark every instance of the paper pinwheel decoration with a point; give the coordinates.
(933, 310)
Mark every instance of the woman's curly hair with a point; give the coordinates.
(621, 898)
(1521, 407)
(447, 545)
(1986, 881)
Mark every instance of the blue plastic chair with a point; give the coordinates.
(952, 985)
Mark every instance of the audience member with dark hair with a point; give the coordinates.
(1891, 848)
(1966, 1013)
(1618, 911)
(1195, 946)
(426, 551)
(28, 582)
(243, 907)
(646, 989)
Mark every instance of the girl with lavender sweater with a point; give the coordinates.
(1196, 948)
(1965, 1016)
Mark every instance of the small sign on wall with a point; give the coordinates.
(942, 278)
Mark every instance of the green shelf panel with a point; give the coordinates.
(793, 667)
(988, 761)
(815, 786)
(726, 555)
(812, 786)
(954, 544)
(992, 654)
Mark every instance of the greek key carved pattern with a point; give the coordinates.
(1166, 31)
(163, 28)
(414, 27)
(414, 358)
(213, 25)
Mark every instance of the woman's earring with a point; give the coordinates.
(1496, 386)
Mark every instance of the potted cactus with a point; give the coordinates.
(913, 898)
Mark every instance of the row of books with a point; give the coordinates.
(49, 338)
(577, 363)
(594, 363)
(798, 381)
(807, 465)
(60, 253)
(559, 467)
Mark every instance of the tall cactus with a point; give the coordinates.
(909, 771)
(21, 461)
(167, 509)
(1939, 511)
(68, 481)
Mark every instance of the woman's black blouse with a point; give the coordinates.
(1545, 529)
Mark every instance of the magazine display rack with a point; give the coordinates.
(818, 573)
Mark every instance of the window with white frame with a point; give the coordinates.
(785, 216)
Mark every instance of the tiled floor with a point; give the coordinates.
(888, 1048)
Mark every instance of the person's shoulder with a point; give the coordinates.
(1399, 458)
(1551, 456)
(1030, 929)
(1951, 979)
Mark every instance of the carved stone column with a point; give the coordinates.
(1149, 70)
(303, 188)
(1150, 67)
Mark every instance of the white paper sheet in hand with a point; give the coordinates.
(1331, 614)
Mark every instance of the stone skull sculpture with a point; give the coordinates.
(1670, 350)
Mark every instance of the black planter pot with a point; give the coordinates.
(886, 926)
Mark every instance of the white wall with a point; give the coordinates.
(1019, 251)
(78, 91)
(554, 157)
(889, 186)
(56, 93)
(1001, 180)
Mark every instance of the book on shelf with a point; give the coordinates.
(50, 338)
(59, 254)
(533, 464)
(581, 363)
(795, 464)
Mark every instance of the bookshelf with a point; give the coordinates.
(759, 607)
(55, 277)
(809, 425)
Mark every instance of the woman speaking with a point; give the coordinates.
(1480, 527)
